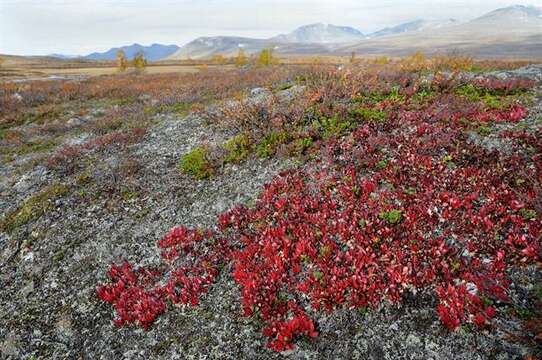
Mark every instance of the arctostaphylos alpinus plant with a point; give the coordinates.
(394, 205)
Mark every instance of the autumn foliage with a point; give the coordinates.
(400, 200)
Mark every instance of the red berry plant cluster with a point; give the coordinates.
(405, 205)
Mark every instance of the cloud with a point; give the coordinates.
(78, 27)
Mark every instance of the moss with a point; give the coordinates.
(58, 256)
(128, 195)
(31, 147)
(83, 178)
(196, 164)
(179, 109)
(33, 208)
(40, 116)
(237, 148)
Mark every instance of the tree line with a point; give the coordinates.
(264, 58)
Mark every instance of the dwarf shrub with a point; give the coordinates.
(195, 164)
(238, 148)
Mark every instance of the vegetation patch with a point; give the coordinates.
(389, 210)
(237, 148)
(370, 115)
(196, 164)
(268, 145)
(33, 208)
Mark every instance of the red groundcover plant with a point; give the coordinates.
(400, 206)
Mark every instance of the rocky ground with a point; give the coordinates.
(49, 267)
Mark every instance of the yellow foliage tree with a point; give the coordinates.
(266, 58)
(241, 58)
(416, 62)
(140, 62)
(218, 59)
(122, 62)
(382, 60)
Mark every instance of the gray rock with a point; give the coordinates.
(289, 94)
(260, 92)
(531, 72)
(74, 122)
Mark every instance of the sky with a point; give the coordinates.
(78, 27)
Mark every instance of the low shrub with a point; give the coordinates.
(196, 164)
(237, 148)
(370, 115)
(268, 145)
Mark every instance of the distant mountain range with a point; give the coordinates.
(320, 34)
(511, 31)
(514, 32)
(153, 52)
(416, 25)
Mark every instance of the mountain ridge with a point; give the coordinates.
(508, 26)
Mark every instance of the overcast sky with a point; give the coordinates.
(33, 27)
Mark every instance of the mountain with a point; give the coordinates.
(153, 52)
(206, 47)
(320, 34)
(513, 31)
(62, 56)
(520, 13)
(308, 39)
(416, 25)
(224, 45)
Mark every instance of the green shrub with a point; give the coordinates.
(331, 127)
(267, 147)
(392, 217)
(472, 93)
(237, 148)
(369, 115)
(469, 91)
(196, 164)
(528, 214)
(301, 145)
(483, 130)
(381, 164)
(284, 86)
